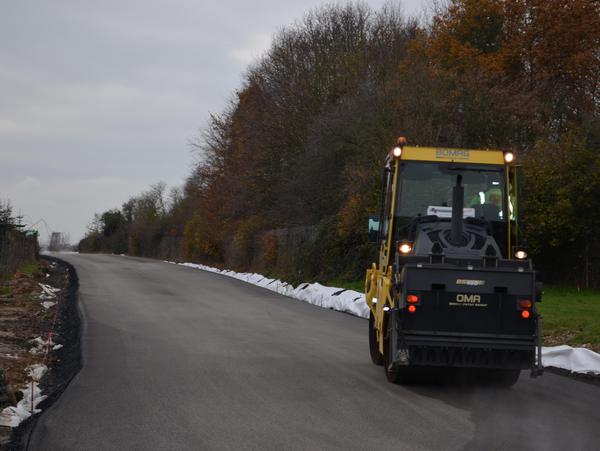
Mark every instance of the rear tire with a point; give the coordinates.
(397, 374)
(506, 378)
(376, 356)
(492, 377)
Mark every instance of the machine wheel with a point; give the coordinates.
(397, 375)
(376, 356)
(506, 378)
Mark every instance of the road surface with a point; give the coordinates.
(181, 359)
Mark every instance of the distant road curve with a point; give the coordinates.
(181, 359)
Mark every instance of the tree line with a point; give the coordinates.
(17, 245)
(301, 143)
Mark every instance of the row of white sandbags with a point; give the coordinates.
(348, 301)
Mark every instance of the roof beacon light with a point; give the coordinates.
(397, 150)
(509, 157)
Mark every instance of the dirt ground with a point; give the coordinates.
(24, 323)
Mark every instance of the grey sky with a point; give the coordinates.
(100, 99)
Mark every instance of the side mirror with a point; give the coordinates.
(373, 228)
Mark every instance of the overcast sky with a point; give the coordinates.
(100, 99)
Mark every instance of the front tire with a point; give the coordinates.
(376, 356)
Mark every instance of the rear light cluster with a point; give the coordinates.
(412, 300)
(525, 306)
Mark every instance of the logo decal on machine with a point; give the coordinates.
(454, 154)
(467, 300)
(470, 282)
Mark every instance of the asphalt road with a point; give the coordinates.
(180, 359)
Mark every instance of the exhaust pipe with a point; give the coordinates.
(458, 193)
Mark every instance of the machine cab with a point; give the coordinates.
(460, 203)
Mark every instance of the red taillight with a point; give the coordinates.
(525, 314)
(412, 298)
(525, 303)
(412, 308)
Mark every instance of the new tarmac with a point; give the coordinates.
(176, 358)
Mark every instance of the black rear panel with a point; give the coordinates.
(461, 301)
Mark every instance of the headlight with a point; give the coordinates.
(405, 248)
(521, 255)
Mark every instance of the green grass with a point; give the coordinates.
(571, 316)
(4, 290)
(356, 285)
(568, 316)
(30, 268)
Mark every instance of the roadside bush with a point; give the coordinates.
(560, 209)
(201, 241)
(242, 247)
(269, 249)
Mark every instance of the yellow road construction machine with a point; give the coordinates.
(453, 287)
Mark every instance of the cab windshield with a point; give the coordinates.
(426, 189)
